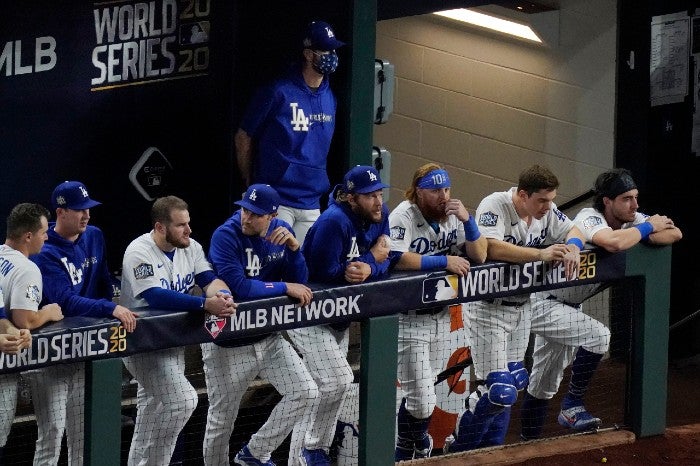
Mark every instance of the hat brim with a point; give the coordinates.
(371, 188)
(253, 208)
(87, 204)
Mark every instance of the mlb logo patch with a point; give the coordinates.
(488, 219)
(33, 293)
(214, 325)
(591, 222)
(440, 288)
(398, 233)
(143, 271)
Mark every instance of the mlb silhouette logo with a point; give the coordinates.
(214, 325)
(440, 289)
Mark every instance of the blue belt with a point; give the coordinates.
(504, 302)
(570, 304)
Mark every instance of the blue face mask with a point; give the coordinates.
(326, 63)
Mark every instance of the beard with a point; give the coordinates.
(177, 242)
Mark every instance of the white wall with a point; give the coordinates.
(487, 106)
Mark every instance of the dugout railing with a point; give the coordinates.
(644, 271)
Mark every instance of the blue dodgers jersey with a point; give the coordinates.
(75, 274)
(251, 266)
(292, 126)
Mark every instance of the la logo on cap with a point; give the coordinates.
(83, 190)
(372, 176)
(253, 196)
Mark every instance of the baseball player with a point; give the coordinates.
(517, 224)
(286, 131)
(253, 252)
(21, 280)
(561, 329)
(160, 269)
(76, 277)
(349, 243)
(429, 228)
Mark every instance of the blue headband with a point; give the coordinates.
(434, 179)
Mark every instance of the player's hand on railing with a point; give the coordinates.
(357, 272)
(53, 311)
(301, 292)
(572, 261)
(221, 305)
(25, 337)
(126, 316)
(381, 249)
(660, 222)
(458, 265)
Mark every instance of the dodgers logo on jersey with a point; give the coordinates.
(488, 219)
(592, 222)
(253, 266)
(398, 233)
(143, 270)
(354, 249)
(33, 293)
(299, 121)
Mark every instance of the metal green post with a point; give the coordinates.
(650, 323)
(103, 397)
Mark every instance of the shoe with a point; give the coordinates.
(317, 457)
(578, 418)
(423, 447)
(244, 458)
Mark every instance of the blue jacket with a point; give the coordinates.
(292, 127)
(252, 267)
(75, 274)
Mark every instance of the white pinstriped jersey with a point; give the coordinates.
(20, 279)
(498, 219)
(410, 231)
(590, 222)
(146, 266)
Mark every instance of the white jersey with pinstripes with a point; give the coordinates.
(146, 266)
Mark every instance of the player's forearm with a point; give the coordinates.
(23, 318)
(409, 261)
(667, 236)
(499, 250)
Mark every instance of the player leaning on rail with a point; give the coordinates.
(561, 329)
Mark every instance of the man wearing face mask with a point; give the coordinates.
(286, 131)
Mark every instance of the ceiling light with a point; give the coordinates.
(491, 22)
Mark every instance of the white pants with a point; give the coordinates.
(499, 334)
(324, 351)
(559, 330)
(58, 394)
(299, 219)
(415, 372)
(8, 404)
(165, 400)
(229, 372)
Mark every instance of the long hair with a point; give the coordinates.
(423, 170)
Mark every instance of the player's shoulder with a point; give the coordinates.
(405, 209)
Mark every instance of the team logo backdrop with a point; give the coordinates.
(132, 98)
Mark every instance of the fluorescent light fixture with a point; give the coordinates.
(491, 22)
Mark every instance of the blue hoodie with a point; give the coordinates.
(292, 126)
(75, 274)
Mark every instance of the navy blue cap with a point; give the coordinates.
(72, 195)
(260, 199)
(320, 36)
(362, 179)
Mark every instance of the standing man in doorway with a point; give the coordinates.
(285, 135)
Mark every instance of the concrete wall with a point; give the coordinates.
(487, 106)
